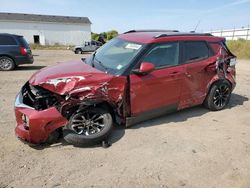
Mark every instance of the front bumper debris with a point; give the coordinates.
(40, 124)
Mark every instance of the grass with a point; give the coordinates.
(50, 47)
(241, 48)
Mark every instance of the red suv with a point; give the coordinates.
(137, 76)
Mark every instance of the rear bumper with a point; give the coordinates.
(20, 60)
(40, 123)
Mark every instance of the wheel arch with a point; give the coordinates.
(9, 56)
(78, 49)
(214, 81)
(92, 103)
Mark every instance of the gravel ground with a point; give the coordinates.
(191, 148)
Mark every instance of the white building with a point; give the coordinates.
(46, 29)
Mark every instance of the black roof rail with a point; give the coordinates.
(150, 30)
(182, 34)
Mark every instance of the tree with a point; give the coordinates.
(106, 35)
(111, 34)
(94, 36)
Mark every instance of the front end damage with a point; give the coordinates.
(45, 106)
(36, 116)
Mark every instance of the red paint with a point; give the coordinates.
(157, 89)
(183, 85)
(41, 124)
(64, 77)
(146, 67)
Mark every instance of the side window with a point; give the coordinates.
(195, 51)
(163, 55)
(7, 40)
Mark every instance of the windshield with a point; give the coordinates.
(115, 56)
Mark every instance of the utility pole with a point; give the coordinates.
(233, 33)
(247, 31)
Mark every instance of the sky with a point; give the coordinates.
(105, 15)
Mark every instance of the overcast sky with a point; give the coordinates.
(142, 14)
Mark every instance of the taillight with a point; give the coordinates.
(23, 51)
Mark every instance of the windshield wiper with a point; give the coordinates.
(103, 66)
(93, 58)
(99, 62)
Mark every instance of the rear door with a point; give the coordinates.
(197, 56)
(160, 89)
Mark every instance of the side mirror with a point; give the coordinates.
(145, 68)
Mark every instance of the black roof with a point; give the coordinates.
(43, 18)
(9, 34)
(150, 30)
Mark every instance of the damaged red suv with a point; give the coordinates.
(137, 76)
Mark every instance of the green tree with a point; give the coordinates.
(107, 35)
(111, 34)
(94, 36)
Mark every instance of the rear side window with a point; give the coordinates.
(7, 40)
(216, 46)
(23, 42)
(195, 51)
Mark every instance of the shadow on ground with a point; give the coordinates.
(183, 115)
(117, 133)
(237, 100)
(25, 68)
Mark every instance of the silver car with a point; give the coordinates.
(87, 47)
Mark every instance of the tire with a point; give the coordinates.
(78, 51)
(88, 127)
(53, 137)
(6, 63)
(218, 96)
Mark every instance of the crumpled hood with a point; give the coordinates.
(62, 78)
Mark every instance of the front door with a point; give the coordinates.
(161, 88)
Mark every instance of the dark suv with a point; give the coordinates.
(14, 51)
(137, 76)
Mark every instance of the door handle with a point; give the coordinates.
(174, 73)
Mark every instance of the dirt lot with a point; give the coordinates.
(191, 148)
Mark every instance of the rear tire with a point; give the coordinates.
(6, 63)
(88, 127)
(218, 96)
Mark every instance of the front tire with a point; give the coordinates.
(218, 96)
(88, 127)
(78, 51)
(6, 63)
